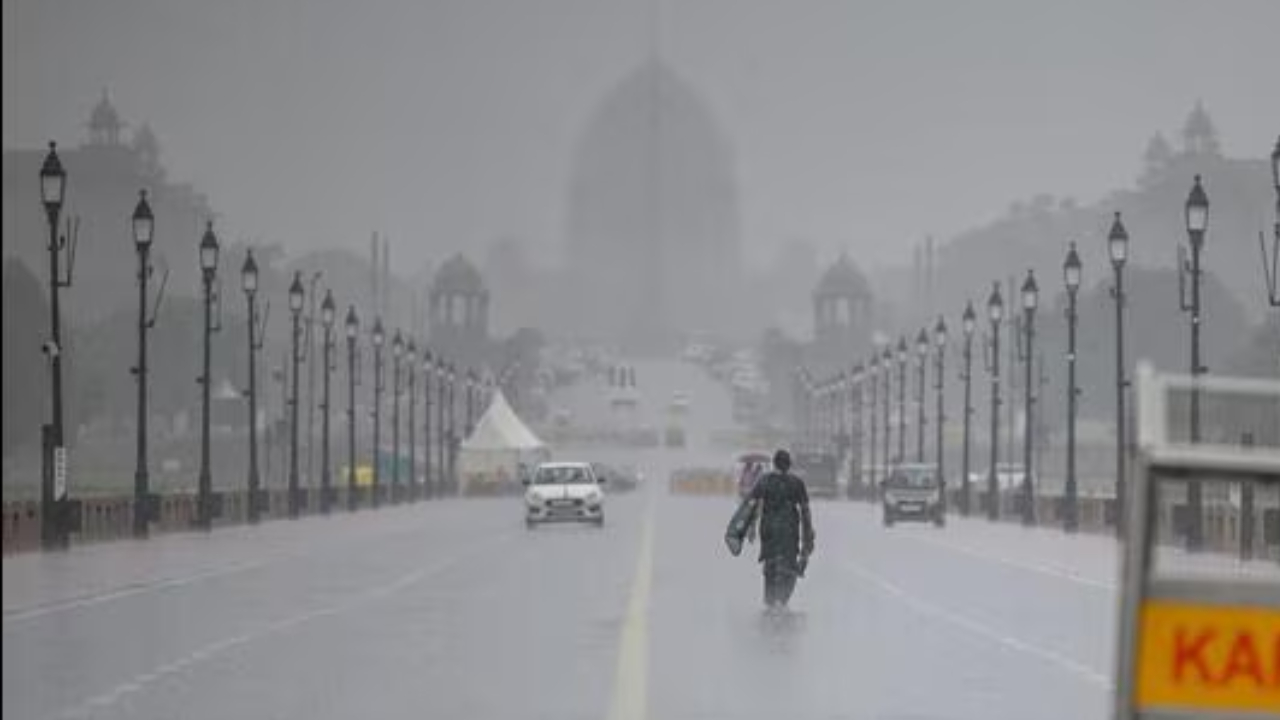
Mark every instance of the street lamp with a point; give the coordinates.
(143, 229)
(968, 323)
(451, 479)
(1118, 249)
(886, 362)
(1271, 265)
(411, 355)
(922, 357)
(428, 371)
(1030, 299)
(326, 479)
(397, 349)
(442, 439)
(53, 491)
(249, 283)
(940, 340)
(1197, 216)
(856, 379)
(353, 332)
(874, 377)
(296, 293)
(903, 356)
(1071, 278)
(379, 337)
(995, 311)
(208, 271)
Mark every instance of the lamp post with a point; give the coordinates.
(470, 403)
(968, 322)
(922, 359)
(53, 528)
(886, 362)
(1030, 299)
(1271, 265)
(412, 363)
(450, 380)
(379, 337)
(1118, 249)
(1197, 216)
(353, 331)
(1071, 278)
(208, 271)
(310, 354)
(326, 479)
(295, 311)
(874, 376)
(397, 349)
(428, 371)
(902, 399)
(143, 230)
(249, 283)
(442, 372)
(857, 376)
(995, 311)
(940, 340)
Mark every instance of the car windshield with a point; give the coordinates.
(912, 477)
(562, 475)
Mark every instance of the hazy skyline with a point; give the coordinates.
(448, 124)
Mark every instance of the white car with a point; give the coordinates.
(564, 492)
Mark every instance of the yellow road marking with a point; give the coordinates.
(631, 683)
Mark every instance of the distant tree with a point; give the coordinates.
(26, 315)
(1199, 136)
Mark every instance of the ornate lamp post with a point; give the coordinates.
(428, 372)
(922, 360)
(873, 376)
(940, 340)
(326, 478)
(1030, 299)
(296, 293)
(1271, 265)
(379, 337)
(53, 491)
(352, 326)
(143, 230)
(856, 378)
(995, 311)
(968, 322)
(886, 362)
(208, 273)
(1071, 278)
(442, 427)
(411, 356)
(1197, 215)
(397, 349)
(1118, 250)
(451, 378)
(257, 332)
(903, 356)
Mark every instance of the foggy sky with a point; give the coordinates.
(863, 125)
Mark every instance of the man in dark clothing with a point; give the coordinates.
(786, 529)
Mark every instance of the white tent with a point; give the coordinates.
(490, 458)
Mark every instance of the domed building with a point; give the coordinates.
(653, 217)
(458, 320)
(843, 311)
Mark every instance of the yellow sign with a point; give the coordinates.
(1208, 658)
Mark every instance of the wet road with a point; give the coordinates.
(453, 610)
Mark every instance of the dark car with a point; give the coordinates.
(818, 469)
(912, 493)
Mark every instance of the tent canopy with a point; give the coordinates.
(501, 429)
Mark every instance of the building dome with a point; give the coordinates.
(104, 123)
(653, 216)
(457, 276)
(843, 278)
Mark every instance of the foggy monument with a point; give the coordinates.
(653, 216)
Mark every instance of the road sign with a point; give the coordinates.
(59, 473)
(1196, 645)
(1208, 657)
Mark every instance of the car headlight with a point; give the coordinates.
(595, 498)
(532, 499)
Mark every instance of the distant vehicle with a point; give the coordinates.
(819, 472)
(674, 437)
(564, 492)
(912, 493)
(679, 403)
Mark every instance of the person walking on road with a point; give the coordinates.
(781, 501)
